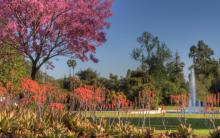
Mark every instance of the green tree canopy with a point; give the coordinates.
(12, 65)
(88, 76)
(206, 68)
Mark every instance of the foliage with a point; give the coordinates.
(215, 133)
(34, 116)
(113, 83)
(152, 54)
(176, 74)
(206, 68)
(64, 124)
(185, 131)
(148, 42)
(132, 83)
(88, 76)
(26, 124)
(171, 82)
(7, 123)
(202, 57)
(159, 67)
(70, 83)
(203, 85)
(126, 130)
(12, 65)
(148, 98)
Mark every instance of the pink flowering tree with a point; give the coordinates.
(43, 29)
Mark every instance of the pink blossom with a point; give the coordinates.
(55, 27)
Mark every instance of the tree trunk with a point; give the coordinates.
(35, 67)
(34, 71)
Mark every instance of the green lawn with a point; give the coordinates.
(199, 122)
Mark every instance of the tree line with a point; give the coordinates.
(160, 70)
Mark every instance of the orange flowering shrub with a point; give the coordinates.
(54, 93)
(88, 96)
(39, 99)
(83, 94)
(57, 106)
(42, 93)
(212, 101)
(30, 85)
(10, 87)
(181, 101)
(2, 90)
(98, 95)
(147, 97)
(34, 92)
(120, 100)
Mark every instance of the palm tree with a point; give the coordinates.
(71, 64)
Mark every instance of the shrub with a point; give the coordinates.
(125, 130)
(185, 131)
(215, 133)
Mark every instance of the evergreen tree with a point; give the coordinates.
(206, 68)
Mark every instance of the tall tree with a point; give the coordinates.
(175, 69)
(42, 29)
(145, 52)
(202, 57)
(152, 54)
(160, 69)
(71, 64)
(206, 68)
(175, 82)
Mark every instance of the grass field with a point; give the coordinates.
(199, 122)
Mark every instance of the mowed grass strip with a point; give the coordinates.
(199, 122)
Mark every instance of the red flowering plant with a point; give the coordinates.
(89, 97)
(55, 94)
(147, 97)
(181, 103)
(33, 93)
(57, 106)
(147, 100)
(98, 98)
(45, 97)
(119, 101)
(56, 99)
(211, 101)
(8, 94)
(3, 93)
(210, 110)
(83, 95)
(10, 87)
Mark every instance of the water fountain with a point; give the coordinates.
(193, 107)
(194, 104)
(192, 89)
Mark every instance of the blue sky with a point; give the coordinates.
(178, 23)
